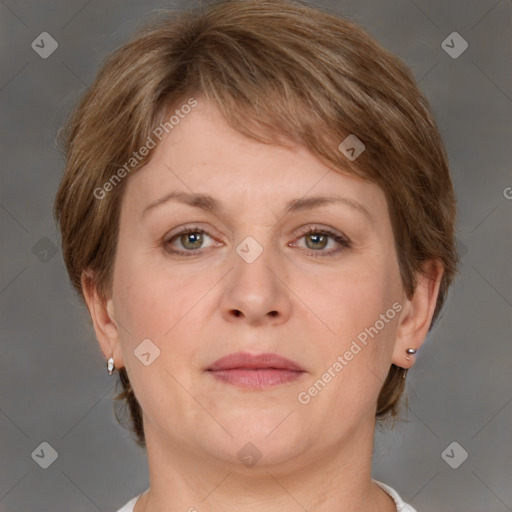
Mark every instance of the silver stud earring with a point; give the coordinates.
(411, 351)
(110, 365)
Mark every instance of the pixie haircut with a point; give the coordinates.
(280, 72)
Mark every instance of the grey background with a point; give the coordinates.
(53, 383)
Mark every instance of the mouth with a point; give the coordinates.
(260, 371)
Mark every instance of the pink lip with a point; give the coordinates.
(255, 371)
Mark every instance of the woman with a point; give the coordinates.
(258, 212)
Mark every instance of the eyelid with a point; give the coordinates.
(190, 228)
(318, 228)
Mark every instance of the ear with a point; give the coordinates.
(417, 314)
(103, 318)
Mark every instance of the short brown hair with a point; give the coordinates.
(277, 70)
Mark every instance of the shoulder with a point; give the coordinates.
(401, 506)
(128, 507)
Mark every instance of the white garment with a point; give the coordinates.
(401, 506)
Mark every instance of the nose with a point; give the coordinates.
(256, 292)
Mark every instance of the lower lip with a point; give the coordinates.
(256, 379)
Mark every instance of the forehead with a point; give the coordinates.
(202, 154)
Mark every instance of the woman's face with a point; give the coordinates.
(248, 277)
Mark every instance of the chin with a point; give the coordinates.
(269, 438)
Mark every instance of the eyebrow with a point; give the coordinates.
(209, 203)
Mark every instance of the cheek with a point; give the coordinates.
(351, 303)
(359, 354)
(353, 298)
(162, 311)
(164, 307)
(149, 300)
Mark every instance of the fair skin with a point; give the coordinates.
(198, 308)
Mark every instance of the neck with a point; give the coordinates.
(337, 477)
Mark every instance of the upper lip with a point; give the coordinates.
(254, 361)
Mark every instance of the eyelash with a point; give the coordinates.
(344, 243)
(311, 231)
